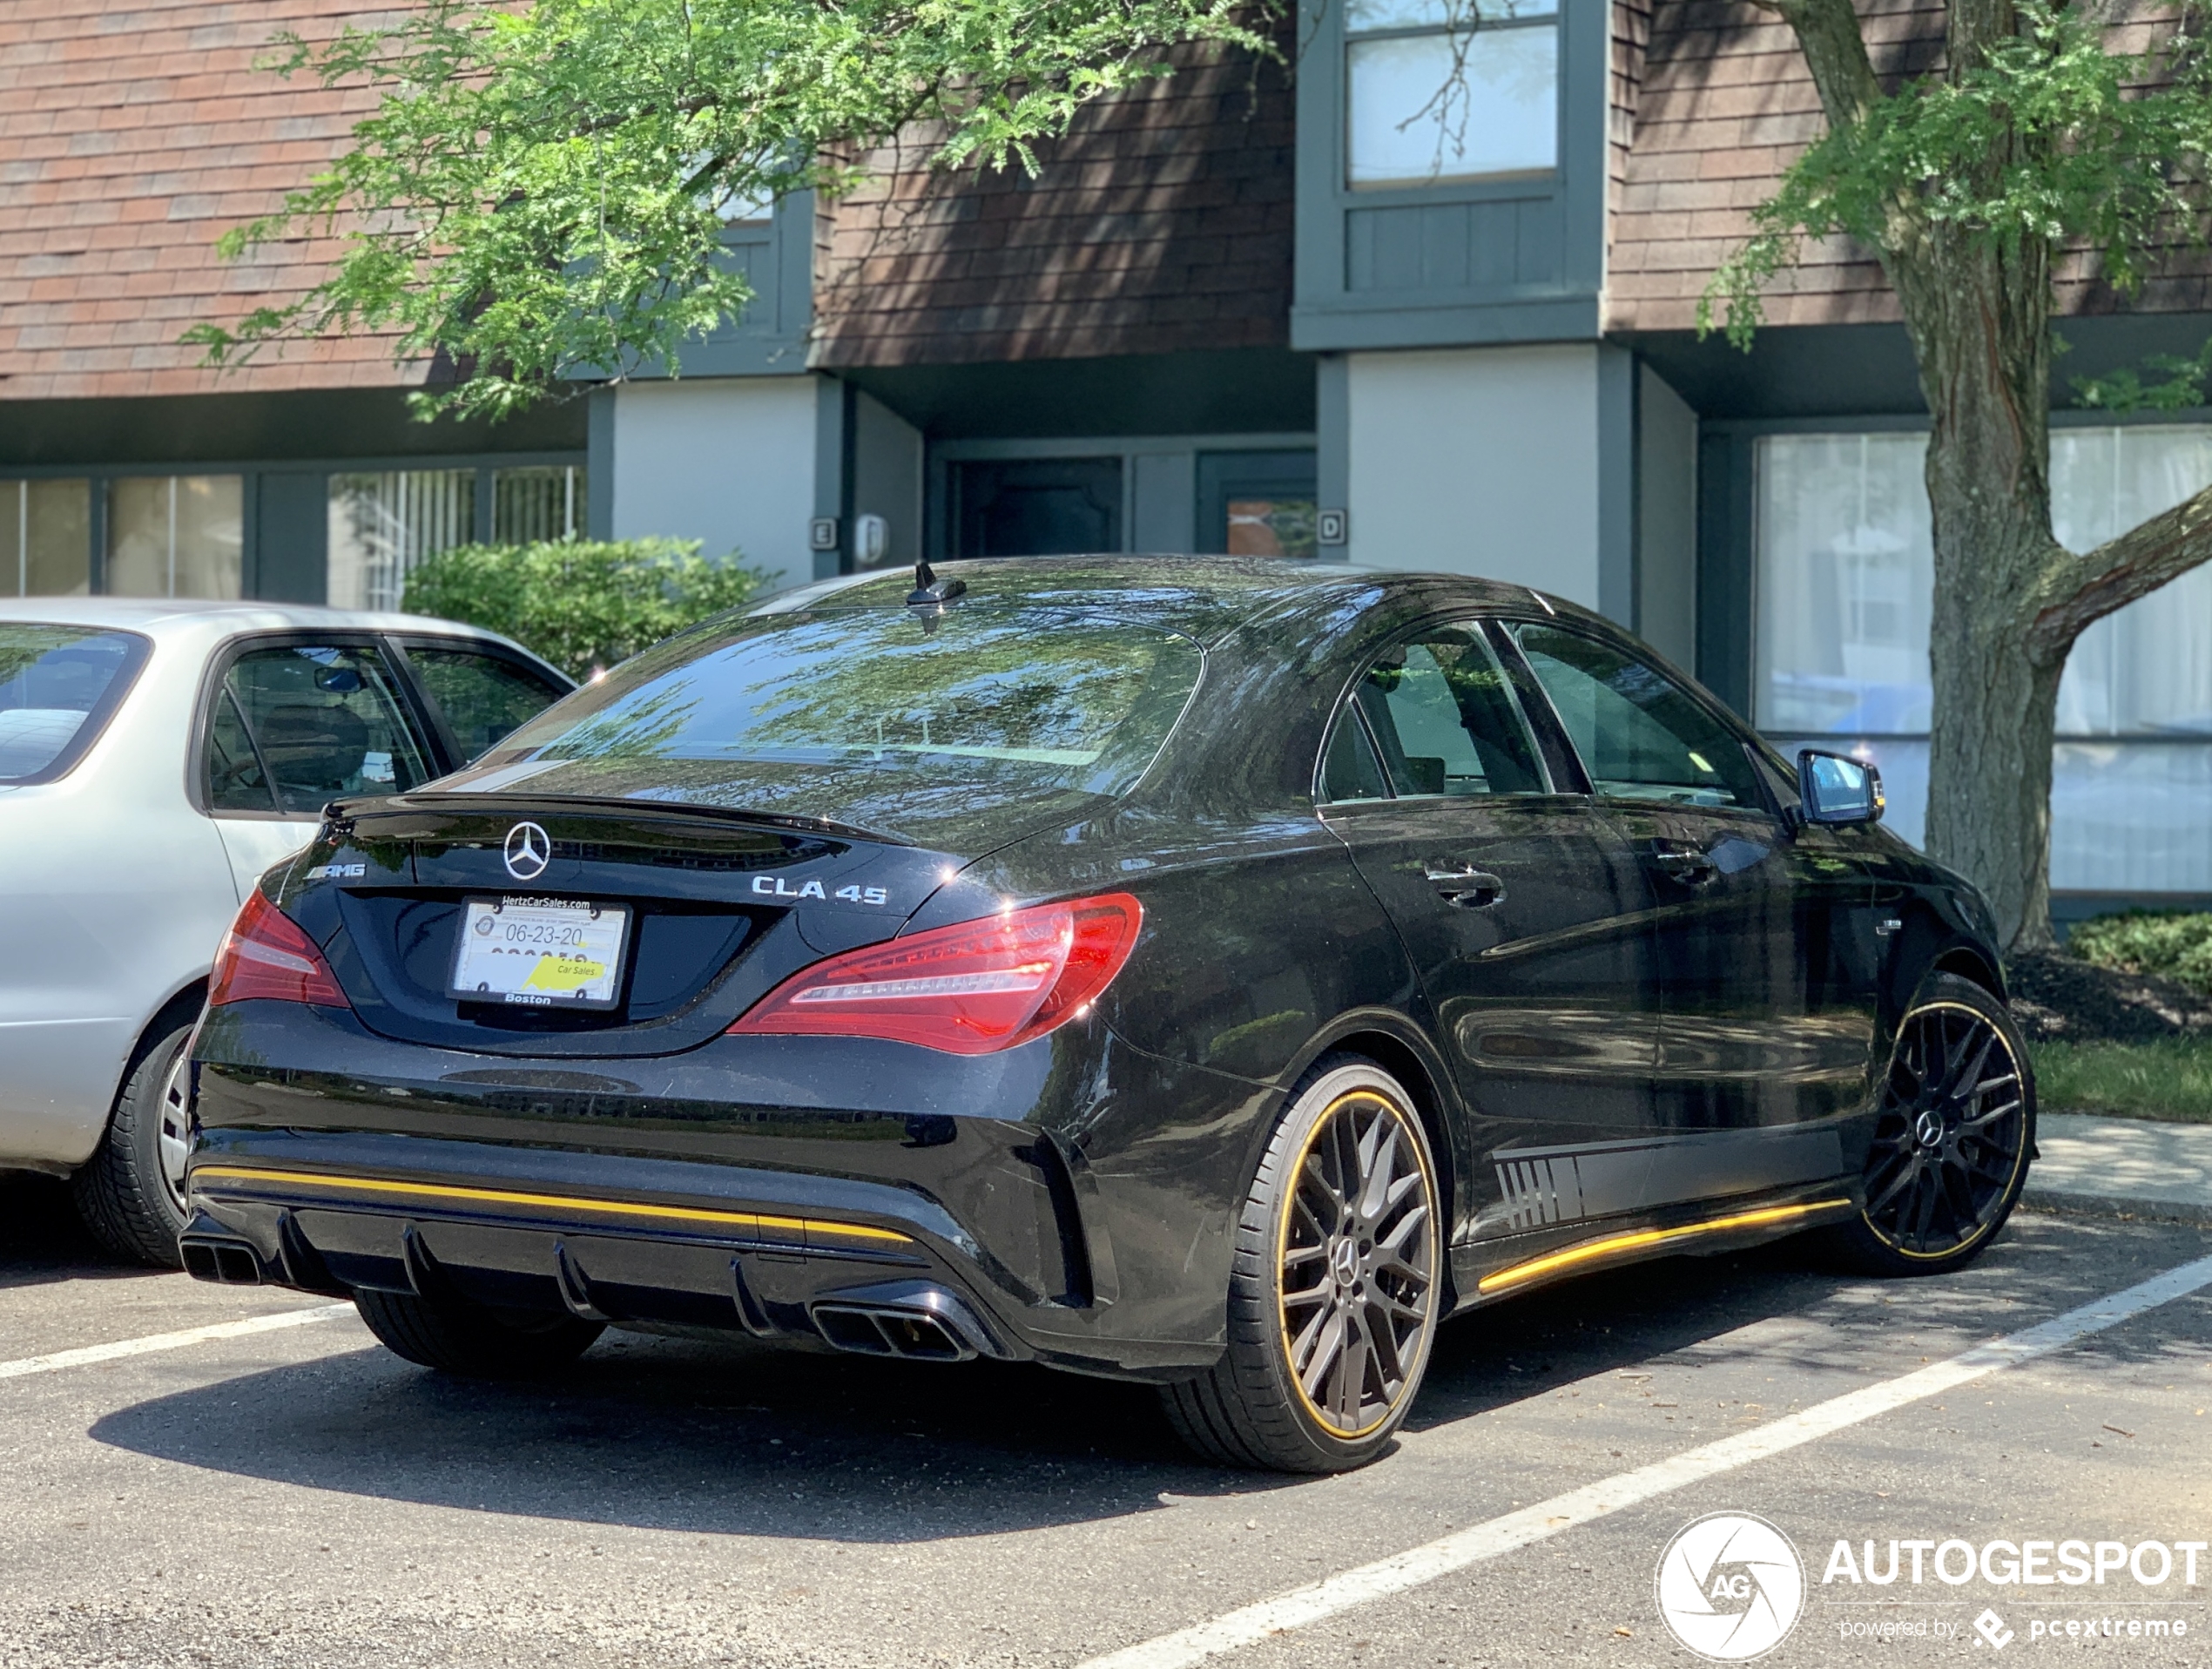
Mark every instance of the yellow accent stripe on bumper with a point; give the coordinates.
(1644, 1239)
(743, 1222)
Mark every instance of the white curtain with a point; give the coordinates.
(1846, 575)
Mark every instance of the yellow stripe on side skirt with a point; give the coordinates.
(741, 1221)
(1644, 1239)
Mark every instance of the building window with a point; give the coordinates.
(537, 502)
(46, 538)
(1256, 503)
(382, 524)
(1450, 89)
(1845, 578)
(175, 536)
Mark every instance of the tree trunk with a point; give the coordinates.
(2009, 600)
(1980, 321)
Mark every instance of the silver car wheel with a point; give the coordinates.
(176, 1127)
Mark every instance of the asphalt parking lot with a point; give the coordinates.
(295, 1496)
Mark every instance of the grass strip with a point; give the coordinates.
(2170, 1078)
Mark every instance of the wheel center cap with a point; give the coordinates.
(1928, 1128)
(1343, 1263)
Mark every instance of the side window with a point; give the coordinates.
(235, 780)
(1640, 736)
(1349, 769)
(482, 696)
(319, 720)
(1444, 719)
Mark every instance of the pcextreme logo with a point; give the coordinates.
(1731, 1586)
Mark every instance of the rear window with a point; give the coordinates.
(1023, 700)
(59, 686)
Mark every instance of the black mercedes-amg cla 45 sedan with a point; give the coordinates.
(1213, 973)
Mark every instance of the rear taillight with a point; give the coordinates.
(267, 954)
(968, 990)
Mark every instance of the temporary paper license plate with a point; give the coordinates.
(548, 953)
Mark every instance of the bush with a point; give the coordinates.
(582, 605)
(2177, 944)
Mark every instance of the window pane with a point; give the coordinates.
(1360, 15)
(480, 697)
(329, 722)
(1639, 736)
(1446, 722)
(540, 502)
(235, 780)
(1413, 119)
(211, 521)
(1846, 577)
(382, 524)
(1349, 770)
(769, 710)
(2148, 668)
(46, 538)
(1270, 527)
(51, 678)
(175, 536)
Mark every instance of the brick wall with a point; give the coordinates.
(131, 136)
(1724, 106)
(1162, 222)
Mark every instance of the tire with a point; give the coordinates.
(131, 1191)
(1370, 1282)
(473, 1340)
(1948, 1159)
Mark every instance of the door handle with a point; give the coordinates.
(1685, 863)
(1464, 885)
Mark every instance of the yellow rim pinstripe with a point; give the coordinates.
(743, 1220)
(1419, 1145)
(2018, 1158)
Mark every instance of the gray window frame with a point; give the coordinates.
(1551, 292)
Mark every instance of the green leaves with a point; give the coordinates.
(542, 193)
(583, 605)
(2042, 135)
(2176, 944)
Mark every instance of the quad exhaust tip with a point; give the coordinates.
(229, 1263)
(913, 1321)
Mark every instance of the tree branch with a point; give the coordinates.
(1827, 30)
(2121, 571)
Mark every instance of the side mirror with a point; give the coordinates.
(1836, 790)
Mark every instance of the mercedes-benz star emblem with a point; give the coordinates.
(529, 850)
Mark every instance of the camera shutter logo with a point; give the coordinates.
(1731, 1587)
(529, 850)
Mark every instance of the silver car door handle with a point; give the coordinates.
(1686, 864)
(1464, 885)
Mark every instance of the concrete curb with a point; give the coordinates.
(2117, 1207)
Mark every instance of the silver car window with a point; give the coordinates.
(322, 721)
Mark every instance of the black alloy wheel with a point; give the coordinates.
(1334, 1298)
(1356, 1265)
(1953, 1135)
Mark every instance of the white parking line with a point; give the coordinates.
(154, 1342)
(1518, 1530)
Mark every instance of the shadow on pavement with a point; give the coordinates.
(734, 1438)
(42, 1238)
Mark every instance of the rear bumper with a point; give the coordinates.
(644, 1243)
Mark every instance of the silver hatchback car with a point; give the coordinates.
(156, 757)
